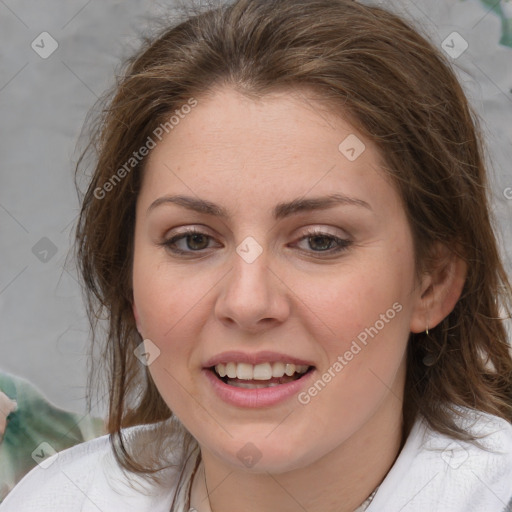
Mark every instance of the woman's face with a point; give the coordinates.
(302, 256)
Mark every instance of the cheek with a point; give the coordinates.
(173, 306)
(363, 333)
(164, 297)
(347, 303)
(364, 329)
(168, 307)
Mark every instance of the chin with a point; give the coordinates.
(264, 456)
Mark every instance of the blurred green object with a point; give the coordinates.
(503, 9)
(34, 430)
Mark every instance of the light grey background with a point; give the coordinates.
(43, 103)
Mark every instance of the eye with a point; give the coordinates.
(190, 241)
(193, 241)
(321, 242)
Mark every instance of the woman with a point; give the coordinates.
(289, 232)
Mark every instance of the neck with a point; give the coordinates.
(338, 482)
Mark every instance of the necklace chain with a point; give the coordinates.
(361, 508)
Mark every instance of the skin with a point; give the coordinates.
(248, 155)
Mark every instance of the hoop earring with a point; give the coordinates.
(429, 359)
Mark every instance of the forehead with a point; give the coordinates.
(289, 142)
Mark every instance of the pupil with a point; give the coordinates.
(194, 242)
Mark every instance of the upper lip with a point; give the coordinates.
(256, 358)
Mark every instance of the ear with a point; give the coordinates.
(439, 289)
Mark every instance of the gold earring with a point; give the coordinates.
(426, 330)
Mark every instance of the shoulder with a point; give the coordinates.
(436, 472)
(87, 478)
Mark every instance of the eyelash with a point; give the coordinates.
(342, 244)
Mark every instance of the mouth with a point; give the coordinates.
(258, 376)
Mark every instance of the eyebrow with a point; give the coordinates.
(281, 210)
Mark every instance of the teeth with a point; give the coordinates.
(249, 385)
(277, 369)
(244, 371)
(231, 370)
(263, 371)
(221, 370)
(289, 369)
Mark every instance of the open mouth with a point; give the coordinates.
(265, 375)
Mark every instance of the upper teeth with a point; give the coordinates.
(264, 371)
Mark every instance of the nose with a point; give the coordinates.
(253, 297)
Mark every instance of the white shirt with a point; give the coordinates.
(433, 473)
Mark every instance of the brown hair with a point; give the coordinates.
(399, 92)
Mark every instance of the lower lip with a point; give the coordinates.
(257, 397)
